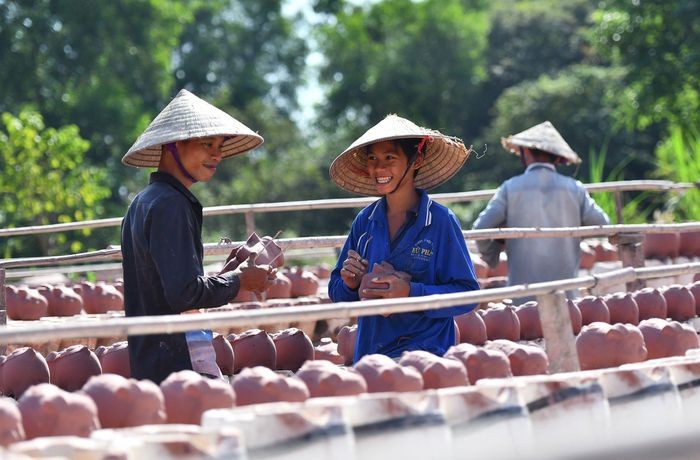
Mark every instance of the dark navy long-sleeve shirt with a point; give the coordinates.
(163, 256)
(433, 251)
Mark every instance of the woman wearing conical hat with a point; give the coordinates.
(539, 197)
(162, 234)
(404, 244)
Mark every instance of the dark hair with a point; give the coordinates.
(546, 156)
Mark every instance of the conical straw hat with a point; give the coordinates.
(444, 156)
(189, 117)
(543, 137)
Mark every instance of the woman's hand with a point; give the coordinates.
(354, 268)
(394, 285)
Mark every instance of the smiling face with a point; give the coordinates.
(386, 165)
(200, 157)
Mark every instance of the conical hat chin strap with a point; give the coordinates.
(172, 148)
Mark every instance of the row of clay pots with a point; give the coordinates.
(671, 245)
(26, 303)
(289, 283)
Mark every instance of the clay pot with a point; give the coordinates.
(24, 303)
(472, 328)
(11, 429)
(323, 378)
(481, 268)
(125, 402)
(224, 354)
(501, 269)
(667, 338)
(114, 359)
(622, 308)
(437, 372)
(322, 271)
(21, 369)
(327, 350)
(593, 309)
(346, 342)
(529, 317)
(695, 290)
(304, 283)
(479, 362)
(501, 322)
(601, 345)
(256, 385)
(383, 269)
(70, 368)
(523, 359)
(576, 317)
(661, 245)
(49, 411)
(101, 298)
(651, 303)
(382, 373)
(293, 347)
(267, 252)
(187, 395)
(253, 348)
(680, 302)
(588, 256)
(119, 285)
(689, 245)
(62, 300)
(281, 287)
(604, 251)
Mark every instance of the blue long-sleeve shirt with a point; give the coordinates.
(432, 250)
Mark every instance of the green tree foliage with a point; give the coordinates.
(679, 160)
(43, 180)
(658, 42)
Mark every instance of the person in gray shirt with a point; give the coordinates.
(539, 197)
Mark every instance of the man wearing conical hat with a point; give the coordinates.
(539, 197)
(162, 235)
(404, 244)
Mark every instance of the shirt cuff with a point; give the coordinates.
(234, 282)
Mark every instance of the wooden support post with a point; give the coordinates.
(558, 333)
(630, 247)
(3, 307)
(249, 222)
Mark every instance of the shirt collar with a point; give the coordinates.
(160, 176)
(540, 165)
(421, 210)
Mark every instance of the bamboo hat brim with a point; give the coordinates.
(189, 117)
(543, 137)
(444, 156)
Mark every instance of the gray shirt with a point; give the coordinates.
(540, 197)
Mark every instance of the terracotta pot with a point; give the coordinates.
(588, 256)
(304, 283)
(187, 395)
(382, 373)
(267, 252)
(346, 342)
(253, 348)
(101, 298)
(327, 350)
(604, 251)
(70, 368)
(21, 369)
(256, 385)
(501, 269)
(622, 307)
(125, 402)
(680, 302)
(472, 328)
(49, 411)
(224, 354)
(593, 309)
(323, 378)
(293, 347)
(501, 322)
(651, 303)
(529, 317)
(661, 245)
(11, 429)
(119, 285)
(322, 271)
(695, 290)
(24, 303)
(114, 359)
(601, 345)
(481, 268)
(62, 300)
(689, 245)
(383, 269)
(575, 316)
(523, 359)
(437, 372)
(281, 287)
(480, 363)
(667, 338)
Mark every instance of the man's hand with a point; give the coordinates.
(255, 278)
(394, 285)
(354, 268)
